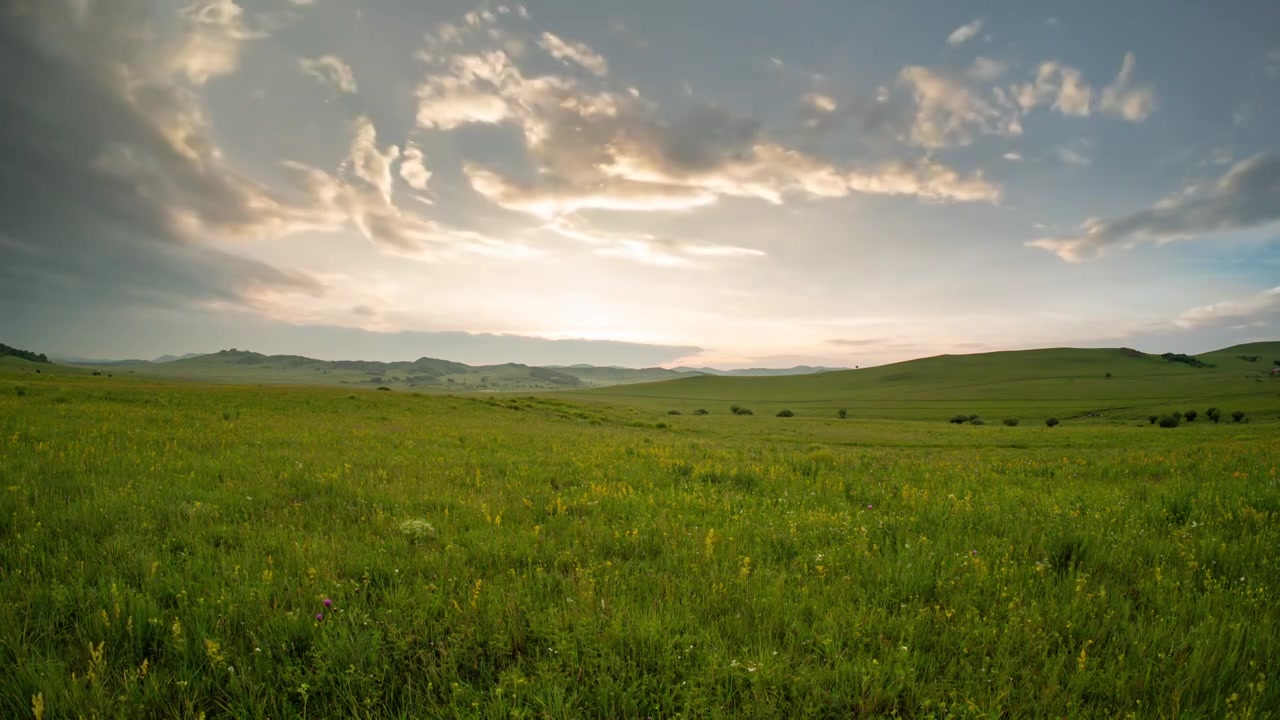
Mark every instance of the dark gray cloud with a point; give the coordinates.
(1247, 196)
(107, 171)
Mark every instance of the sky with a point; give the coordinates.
(728, 182)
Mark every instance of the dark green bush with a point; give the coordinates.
(842, 413)
(786, 413)
(1153, 418)
(1191, 415)
(1051, 422)
(701, 411)
(673, 412)
(959, 419)
(1237, 416)
(384, 387)
(977, 421)
(1011, 422)
(1168, 421)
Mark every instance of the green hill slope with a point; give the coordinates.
(1030, 384)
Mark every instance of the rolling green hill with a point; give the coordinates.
(1028, 384)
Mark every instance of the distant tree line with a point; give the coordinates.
(1187, 360)
(24, 354)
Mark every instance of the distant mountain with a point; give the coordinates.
(760, 372)
(244, 366)
(171, 358)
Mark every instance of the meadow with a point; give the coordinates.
(187, 550)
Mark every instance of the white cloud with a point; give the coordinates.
(950, 111)
(1271, 64)
(987, 69)
(612, 151)
(1123, 98)
(1256, 310)
(1059, 86)
(1245, 197)
(567, 51)
(1072, 157)
(1012, 156)
(646, 248)
(367, 162)
(413, 167)
(820, 103)
(330, 70)
(965, 33)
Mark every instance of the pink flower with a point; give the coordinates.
(328, 602)
(319, 617)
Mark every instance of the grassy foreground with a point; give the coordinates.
(166, 551)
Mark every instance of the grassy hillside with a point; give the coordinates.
(1033, 384)
(167, 550)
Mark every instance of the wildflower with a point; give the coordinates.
(328, 602)
(319, 617)
(869, 506)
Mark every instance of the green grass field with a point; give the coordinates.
(1030, 384)
(167, 548)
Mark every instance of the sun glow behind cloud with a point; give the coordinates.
(491, 169)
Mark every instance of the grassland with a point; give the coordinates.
(1031, 385)
(166, 550)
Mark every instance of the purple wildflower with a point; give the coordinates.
(319, 617)
(328, 602)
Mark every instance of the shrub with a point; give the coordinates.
(959, 419)
(1191, 415)
(1108, 376)
(701, 411)
(1237, 416)
(1051, 422)
(384, 387)
(662, 426)
(977, 421)
(1215, 416)
(1011, 422)
(1211, 412)
(786, 413)
(734, 409)
(673, 412)
(973, 417)
(1168, 421)
(1153, 418)
(96, 373)
(842, 413)
(742, 411)
(21, 391)
(1177, 415)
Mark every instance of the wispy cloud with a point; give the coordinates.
(1256, 310)
(1122, 97)
(965, 33)
(330, 70)
(1245, 197)
(574, 52)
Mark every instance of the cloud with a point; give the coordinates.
(1271, 64)
(1072, 157)
(986, 69)
(950, 111)
(965, 33)
(413, 167)
(1256, 310)
(603, 150)
(820, 103)
(646, 248)
(1247, 196)
(1012, 157)
(574, 52)
(330, 70)
(858, 343)
(1060, 86)
(1123, 98)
